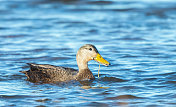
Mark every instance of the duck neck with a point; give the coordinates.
(82, 62)
(84, 72)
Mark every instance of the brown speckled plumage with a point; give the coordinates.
(50, 73)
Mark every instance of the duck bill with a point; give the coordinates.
(101, 60)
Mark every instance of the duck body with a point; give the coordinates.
(50, 73)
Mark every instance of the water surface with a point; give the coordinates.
(137, 37)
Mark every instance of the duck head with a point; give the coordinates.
(89, 52)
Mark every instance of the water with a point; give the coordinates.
(137, 37)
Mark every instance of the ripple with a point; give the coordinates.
(98, 104)
(123, 97)
(101, 2)
(14, 96)
(112, 79)
(138, 37)
(13, 36)
(172, 82)
(43, 100)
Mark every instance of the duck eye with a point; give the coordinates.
(90, 49)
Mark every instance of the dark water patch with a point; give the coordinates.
(2, 79)
(104, 93)
(160, 12)
(39, 50)
(123, 97)
(101, 2)
(139, 71)
(41, 106)
(112, 79)
(151, 79)
(157, 86)
(95, 104)
(15, 96)
(128, 38)
(100, 10)
(12, 36)
(3, 28)
(93, 31)
(129, 56)
(171, 103)
(171, 82)
(69, 22)
(124, 69)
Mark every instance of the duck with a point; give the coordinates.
(50, 73)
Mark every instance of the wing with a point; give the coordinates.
(45, 72)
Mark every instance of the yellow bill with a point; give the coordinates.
(101, 60)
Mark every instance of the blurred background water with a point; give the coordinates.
(137, 36)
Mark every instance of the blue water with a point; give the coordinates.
(137, 37)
